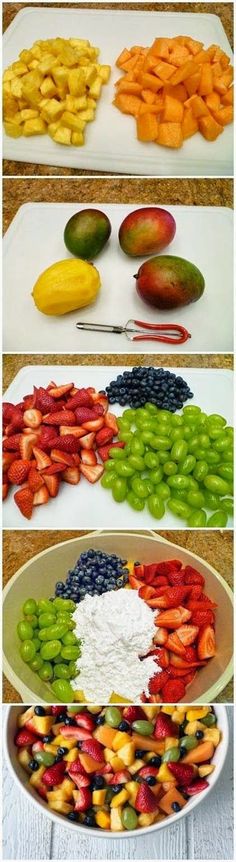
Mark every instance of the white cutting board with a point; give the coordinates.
(111, 143)
(91, 507)
(34, 241)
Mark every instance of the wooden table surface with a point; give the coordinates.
(223, 10)
(215, 546)
(188, 192)
(206, 833)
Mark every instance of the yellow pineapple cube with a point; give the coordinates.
(150, 711)
(8, 75)
(24, 759)
(212, 734)
(48, 746)
(48, 87)
(117, 763)
(196, 712)
(47, 63)
(71, 756)
(28, 114)
(168, 710)
(146, 819)
(35, 778)
(120, 739)
(132, 788)
(19, 68)
(120, 798)
(77, 139)
(60, 806)
(33, 65)
(72, 122)
(16, 88)
(135, 766)
(63, 136)
(171, 742)
(52, 111)
(60, 76)
(127, 753)
(87, 115)
(99, 796)
(95, 88)
(60, 740)
(192, 727)
(14, 130)
(76, 82)
(25, 56)
(34, 127)
(90, 74)
(164, 774)
(116, 822)
(102, 819)
(206, 769)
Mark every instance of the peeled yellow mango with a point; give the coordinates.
(66, 286)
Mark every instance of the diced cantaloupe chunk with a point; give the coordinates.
(209, 128)
(147, 127)
(170, 135)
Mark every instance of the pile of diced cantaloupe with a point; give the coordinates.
(174, 89)
(53, 88)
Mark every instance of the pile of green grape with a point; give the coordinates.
(180, 461)
(48, 643)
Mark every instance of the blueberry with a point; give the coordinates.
(182, 751)
(199, 734)
(124, 725)
(34, 765)
(39, 710)
(176, 807)
(150, 780)
(58, 758)
(89, 820)
(155, 761)
(62, 750)
(69, 721)
(139, 753)
(72, 816)
(99, 719)
(97, 783)
(116, 788)
(48, 738)
(119, 582)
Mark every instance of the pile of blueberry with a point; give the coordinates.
(94, 573)
(163, 388)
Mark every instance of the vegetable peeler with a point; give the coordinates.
(146, 331)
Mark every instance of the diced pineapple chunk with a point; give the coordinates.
(75, 123)
(206, 769)
(77, 139)
(99, 796)
(96, 87)
(28, 114)
(116, 822)
(63, 136)
(134, 767)
(212, 734)
(196, 712)
(146, 819)
(132, 790)
(103, 819)
(60, 806)
(76, 82)
(53, 110)
(48, 88)
(120, 798)
(19, 68)
(60, 75)
(34, 127)
(127, 753)
(14, 130)
(47, 63)
(104, 72)
(16, 88)
(171, 742)
(8, 75)
(87, 115)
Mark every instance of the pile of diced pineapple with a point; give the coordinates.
(53, 88)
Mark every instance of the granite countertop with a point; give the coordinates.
(190, 192)
(223, 10)
(214, 546)
(13, 362)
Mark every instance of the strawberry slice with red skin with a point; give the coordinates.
(61, 417)
(53, 485)
(12, 443)
(87, 440)
(79, 779)
(202, 618)
(32, 418)
(173, 691)
(165, 726)
(206, 605)
(98, 409)
(85, 414)
(158, 581)
(174, 643)
(183, 772)
(54, 774)
(145, 802)
(176, 579)
(42, 459)
(172, 597)
(76, 430)
(206, 643)
(66, 443)
(196, 592)
(162, 657)
(71, 475)
(104, 436)
(8, 410)
(192, 576)
(173, 617)
(60, 391)
(24, 738)
(196, 787)
(104, 451)
(110, 421)
(24, 500)
(93, 747)
(27, 443)
(84, 800)
(133, 713)
(41, 497)
(81, 399)
(146, 593)
(88, 457)
(168, 566)
(35, 480)
(187, 634)
(121, 777)
(94, 424)
(135, 583)
(92, 474)
(7, 460)
(161, 636)
(79, 733)
(85, 720)
(178, 661)
(58, 710)
(157, 681)
(76, 768)
(53, 469)
(147, 771)
(5, 489)
(18, 471)
(175, 672)
(62, 458)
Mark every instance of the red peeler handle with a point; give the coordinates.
(160, 327)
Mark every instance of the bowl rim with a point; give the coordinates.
(206, 697)
(133, 833)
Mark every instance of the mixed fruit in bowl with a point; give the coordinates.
(150, 626)
(117, 769)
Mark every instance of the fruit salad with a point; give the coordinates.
(174, 636)
(117, 769)
(175, 88)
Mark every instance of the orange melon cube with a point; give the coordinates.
(198, 106)
(179, 92)
(130, 64)
(150, 62)
(194, 46)
(179, 55)
(224, 60)
(131, 87)
(224, 116)
(148, 96)
(184, 72)
(156, 108)
(220, 86)
(209, 128)
(189, 124)
(160, 48)
(173, 110)
(165, 804)
(217, 70)
(206, 80)
(170, 135)
(105, 735)
(164, 70)
(137, 49)
(213, 101)
(150, 82)
(192, 83)
(147, 127)
(123, 57)
(156, 744)
(89, 764)
(202, 57)
(127, 104)
(228, 98)
(203, 752)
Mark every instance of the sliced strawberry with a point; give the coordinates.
(148, 771)
(206, 643)
(66, 443)
(133, 713)
(62, 457)
(54, 774)
(79, 779)
(164, 725)
(53, 485)
(58, 710)
(173, 691)
(187, 634)
(41, 497)
(83, 799)
(18, 471)
(81, 399)
(135, 583)
(190, 653)
(25, 738)
(8, 410)
(5, 489)
(85, 414)
(32, 418)
(75, 430)
(184, 772)
(53, 469)
(202, 618)
(159, 581)
(27, 442)
(60, 391)
(7, 460)
(87, 440)
(92, 474)
(197, 786)
(42, 459)
(205, 605)
(42, 400)
(162, 657)
(16, 424)
(157, 681)
(121, 777)
(145, 801)
(77, 459)
(100, 398)
(79, 733)
(111, 422)
(35, 480)
(146, 593)
(176, 579)
(150, 572)
(168, 566)
(161, 636)
(192, 576)
(174, 643)
(24, 500)
(61, 417)
(84, 720)
(76, 768)
(173, 618)
(178, 661)
(94, 424)
(71, 475)
(93, 748)
(196, 592)
(12, 444)
(172, 597)
(104, 436)
(176, 672)
(88, 457)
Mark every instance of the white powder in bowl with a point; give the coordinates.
(116, 628)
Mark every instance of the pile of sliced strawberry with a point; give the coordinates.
(185, 638)
(55, 435)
